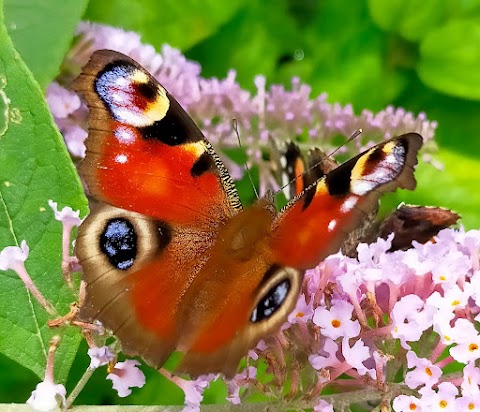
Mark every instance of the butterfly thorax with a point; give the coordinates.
(239, 259)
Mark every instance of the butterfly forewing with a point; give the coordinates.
(144, 153)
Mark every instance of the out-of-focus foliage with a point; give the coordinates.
(423, 56)
(42, 31)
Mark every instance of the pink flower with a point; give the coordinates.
(69, 220)
(316, 279)
(441, 325)
(452, 265)
(337, 322)
(442, 400)
(47, 396)
(320, 361)
(423, 373)
(404, 403)
(370, 254)
(75, 139)
(194, 390)
(323, 406)
(410, 319)
(303, 312)
(67, 216)
(453, 298)
(468, 350)
(261, 346)
(100, 356)
(62, 102)
(471, 380)
(356, 355)
(468, 403)
(238, 382)
(126, 375)
(12, 257)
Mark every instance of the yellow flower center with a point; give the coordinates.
(336, 323)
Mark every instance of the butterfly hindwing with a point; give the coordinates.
(415, 223)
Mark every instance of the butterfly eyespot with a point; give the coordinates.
(272, 301)
(147, 91)
(118, 242)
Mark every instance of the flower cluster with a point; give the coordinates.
(213, 103)
(402, 324)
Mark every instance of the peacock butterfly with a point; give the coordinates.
(171, 260)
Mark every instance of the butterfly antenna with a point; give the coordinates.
(354, 135)
(245, 165)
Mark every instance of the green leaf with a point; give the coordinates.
(34, 167)
(414, 19)
(42, 32)
(16, 382)
(450, 58)
(411, 19)
(347, 54)
(179, 23)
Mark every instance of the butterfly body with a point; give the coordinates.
(171, 259)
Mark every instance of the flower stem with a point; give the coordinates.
(79, 387)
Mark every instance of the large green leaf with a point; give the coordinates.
(34, 167)
(414, 19)
(411, 19)
(179, 23)
(42, 32)
(450, 58)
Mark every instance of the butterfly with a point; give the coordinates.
(171, 259)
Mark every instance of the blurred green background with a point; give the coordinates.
(423, 56)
